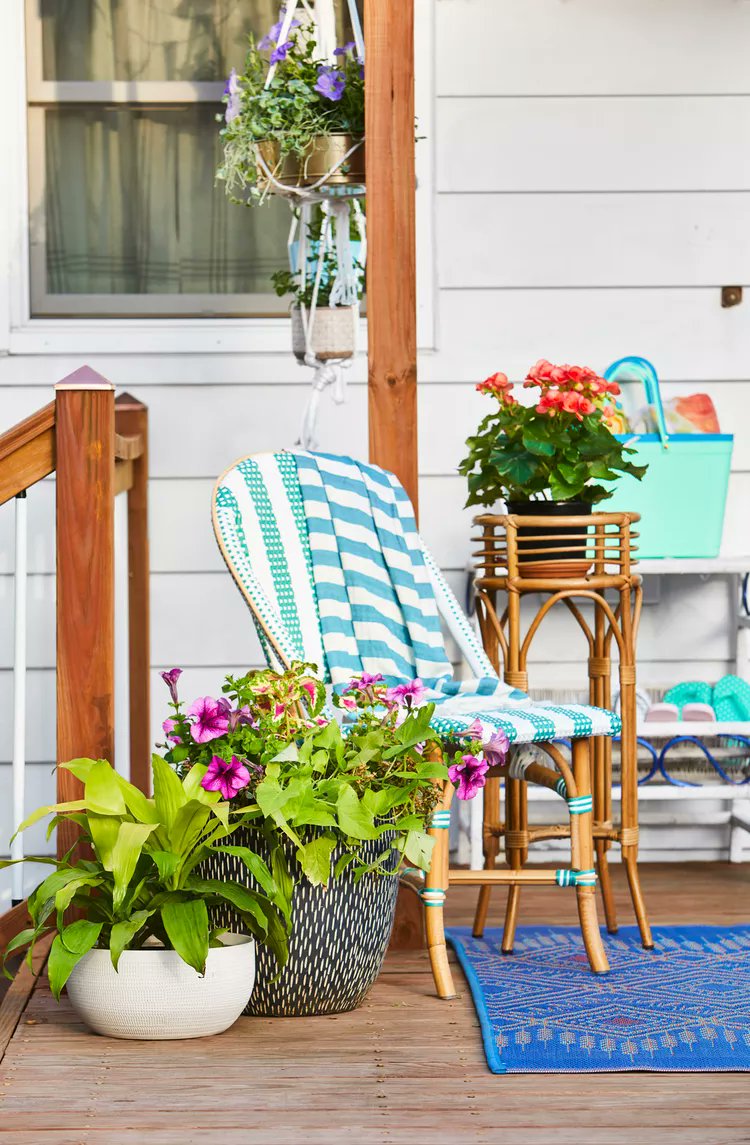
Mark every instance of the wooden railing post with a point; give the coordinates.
(85, 433)
(131, 420)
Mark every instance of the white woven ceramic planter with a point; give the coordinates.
(154, 995)
(334, 332)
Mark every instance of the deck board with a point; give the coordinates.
(404, 1069)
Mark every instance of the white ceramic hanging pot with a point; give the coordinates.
(334, 332)
(155, 996)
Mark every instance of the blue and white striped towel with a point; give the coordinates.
(376, 601)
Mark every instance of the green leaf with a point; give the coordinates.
(169, 794)
(124, 932)
(42, 900)
(103, 830)
(284, 881)
(188, 826)
(66, 894)
(80, 768)
(418, 848)
(270, 796)
(238, 895)
(23, 938)
(125, 856)
(102, 791)
(315, 859)
(73, 805)
(536, 445)
(255, 865)
(354, 818)
(186, 924)
(139, 805)
(166, 862)
(68, 949)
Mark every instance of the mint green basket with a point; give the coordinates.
(683, 495)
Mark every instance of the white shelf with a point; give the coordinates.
(702, 566)
(689, 728)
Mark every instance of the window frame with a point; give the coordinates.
(23, 333)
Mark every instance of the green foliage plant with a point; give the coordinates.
(140, 884)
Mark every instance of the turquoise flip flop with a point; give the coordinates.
(690, 692)
(731, 699)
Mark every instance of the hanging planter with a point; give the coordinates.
(336, 160)
(331, 332)
(295, 115)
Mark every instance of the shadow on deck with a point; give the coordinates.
(402, 1070)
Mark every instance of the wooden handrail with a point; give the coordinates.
(27, 453)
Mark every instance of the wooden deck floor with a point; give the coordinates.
(403, 1070)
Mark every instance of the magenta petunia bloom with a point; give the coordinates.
(170, 678)
(495, 751)
(469, 774)
(228, 778)
(363, 682)
(168, 727)
(210, 719)
(474, 731)
(408, 694)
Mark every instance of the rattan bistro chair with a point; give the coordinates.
(261, 528)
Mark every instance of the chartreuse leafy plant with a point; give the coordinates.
(270, 746)
(559, 448)
(141, 885)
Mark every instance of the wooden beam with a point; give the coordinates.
(85, 425)
(131, 421)
(391, 258)
(12, 923)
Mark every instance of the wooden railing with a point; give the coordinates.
(97, 446)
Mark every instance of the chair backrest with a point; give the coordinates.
(260, 526)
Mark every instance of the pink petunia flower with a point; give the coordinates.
(170, 678)
(473, 731)
(469, 774)
(227, 777)
(495, 751)
(210, 719)
(168, 727)
(407, 694)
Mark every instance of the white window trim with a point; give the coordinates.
(22, 334)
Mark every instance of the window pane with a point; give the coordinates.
(131, 207)
(149, 40)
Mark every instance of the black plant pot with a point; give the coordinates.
(564, 547)
(339, 937)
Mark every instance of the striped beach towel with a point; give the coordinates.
(376, 601)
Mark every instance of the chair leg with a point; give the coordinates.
(490, 820)
(605, 882)
(433, 896)
(630, 859)
(514, 825)
(582, 847)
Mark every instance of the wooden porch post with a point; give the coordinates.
(391, 258)
(131, 419)
(85, 443)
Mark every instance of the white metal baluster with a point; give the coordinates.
(19, 694)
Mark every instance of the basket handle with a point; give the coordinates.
(645, 372)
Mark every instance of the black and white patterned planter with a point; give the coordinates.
(339, 937)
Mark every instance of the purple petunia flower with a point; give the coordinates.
(170, 678)
(473, 731)
(363, 682)
(407, 694)
(228, 778)
(232, 91)
(330, 84)
(270, 40)
(210, 719)
(168, 727)
(342, 51)
(469, 774)
(495, 751)
(280, 53)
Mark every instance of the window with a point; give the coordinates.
(126, 219)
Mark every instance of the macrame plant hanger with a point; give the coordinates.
(340, 206)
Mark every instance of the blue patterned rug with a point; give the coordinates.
(683, 1006)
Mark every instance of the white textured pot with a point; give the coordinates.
(334, 332)
(155, 996)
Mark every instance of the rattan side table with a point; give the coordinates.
(568, 560)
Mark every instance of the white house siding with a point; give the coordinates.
(586, 176)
